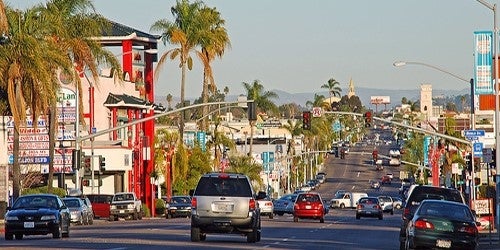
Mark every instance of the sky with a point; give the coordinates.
(297, 45)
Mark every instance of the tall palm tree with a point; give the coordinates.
(183, 32)
(213, 41)
(319, 101)
(27, 73)
(169, 101)
(4, 25)
(333, 88)
(262, 100)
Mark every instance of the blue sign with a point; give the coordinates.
(337, 126)
(483, 54)
(200, 136)
(478, 149)
(473, 133)
(30, 160)
(267, 161)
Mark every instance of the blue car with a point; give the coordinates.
(37, 214)
(284, 205)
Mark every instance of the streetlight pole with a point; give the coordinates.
(493, 7)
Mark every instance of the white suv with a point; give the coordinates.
(224, 203)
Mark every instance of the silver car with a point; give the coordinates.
(369, 207)
(78, 210)
(386, 203)
(284, 205)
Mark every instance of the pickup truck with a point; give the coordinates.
(125, 205)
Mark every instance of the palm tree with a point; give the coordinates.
(319, 101)
(262, 100)
(27, 73)
(184, 32)
(246, 165)
(169, 101)
(4, 25)
(213, 41)
(333, 88)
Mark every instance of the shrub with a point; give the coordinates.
(61, 192)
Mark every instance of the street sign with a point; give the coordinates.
(473, 133)
(478, 149)
(337, 126)
(317, 111)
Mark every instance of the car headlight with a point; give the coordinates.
(9, 218)
(48, 217)
(130, 206)
(113, 207)
(173, 208)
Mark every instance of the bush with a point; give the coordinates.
(145, 210)
(61, 192)
(160, 207)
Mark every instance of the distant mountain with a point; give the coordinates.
(364, 95)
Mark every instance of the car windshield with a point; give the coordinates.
(35, 202)
(233, 187)
(180, 200)
(71, 202)
(384, 199)
(445, 210)
(368, 201)
(123, 197)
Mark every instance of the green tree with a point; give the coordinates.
(184, 32)
(262, 99)
(333, 88)
(319, 101)
(213, 41)
(246, 165)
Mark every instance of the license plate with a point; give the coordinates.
(308, 206)
(224, 207)
(443, 243)
(122, 211)
(29, 224)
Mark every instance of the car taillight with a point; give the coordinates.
(251, 204)
(194, 202)
(223, 176)
(406, 213)
(423, 224)
(269, 203)
(377, 207)
(468, 229)
(359, 206)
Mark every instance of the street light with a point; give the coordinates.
(493, 7)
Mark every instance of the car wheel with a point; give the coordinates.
(295, 219)
(111, 218)
(140, 215)
(392, 212)
(381, 217)
(258, 236)
(402, 245)
(408, 244)
(271, 215)
(195, 234)
(253, 236)
(321, 220)
(358, 217)
(280, 214)
(169, 216)
(19, 236)
(342, 205)
(57, 233)
(203, 237)
(9, 236)
(66, 234)
(91, 222)
(134, 216)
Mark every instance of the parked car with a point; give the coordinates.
(369, 207)
(90, 209)
(37, 214)
(417, 194)
(79, 211)
(178, 206)
(309, 206)
(265, 204)
(224, 203)
(385, 180)
(386, 203)
(442, 224)
(284, 205)
(397, 203)
(100, 204)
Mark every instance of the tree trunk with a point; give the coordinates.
(183, 84)
(204, 122)
(252, 123)
(16, 171)
(52, 132)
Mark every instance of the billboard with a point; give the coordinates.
(483, 83)
(380, 99)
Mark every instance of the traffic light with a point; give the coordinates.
(468, 162)
(86, 182)
(368, 119)
(102, 163)
(306, 120)
(76, 159)
(252, 113)
(87, 164)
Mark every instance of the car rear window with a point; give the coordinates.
(100, 198)
(433, 193)
(231, 186)
(308, 198)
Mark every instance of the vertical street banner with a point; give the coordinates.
(427, 142)
(483, 56)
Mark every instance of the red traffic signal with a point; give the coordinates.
(306, 120)
(86, 182)
(368, 119)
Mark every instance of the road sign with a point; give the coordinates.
(317, 111)
(337, 126)
(473, 133)
(478, 149)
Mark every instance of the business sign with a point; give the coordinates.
(380, 99)
(483, 83)
(427, 146)
(478, 149)
(474, 133)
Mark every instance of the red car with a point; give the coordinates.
(100, 204)
(309, 205)
(385, 180)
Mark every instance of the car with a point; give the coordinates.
(390, 175)
(442, 224)
(321, 177)
(90, 209)
(224, 203)
(397, 202)
(385, 180)
(284, 205)
(309, 205)
(265, 204)
(418, 193)
(375, 184)
(178, 206)
(37, 214)
(78, 209)
(100, 204)
(386, 203)
(369, 207)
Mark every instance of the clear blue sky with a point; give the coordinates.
(296, 46)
